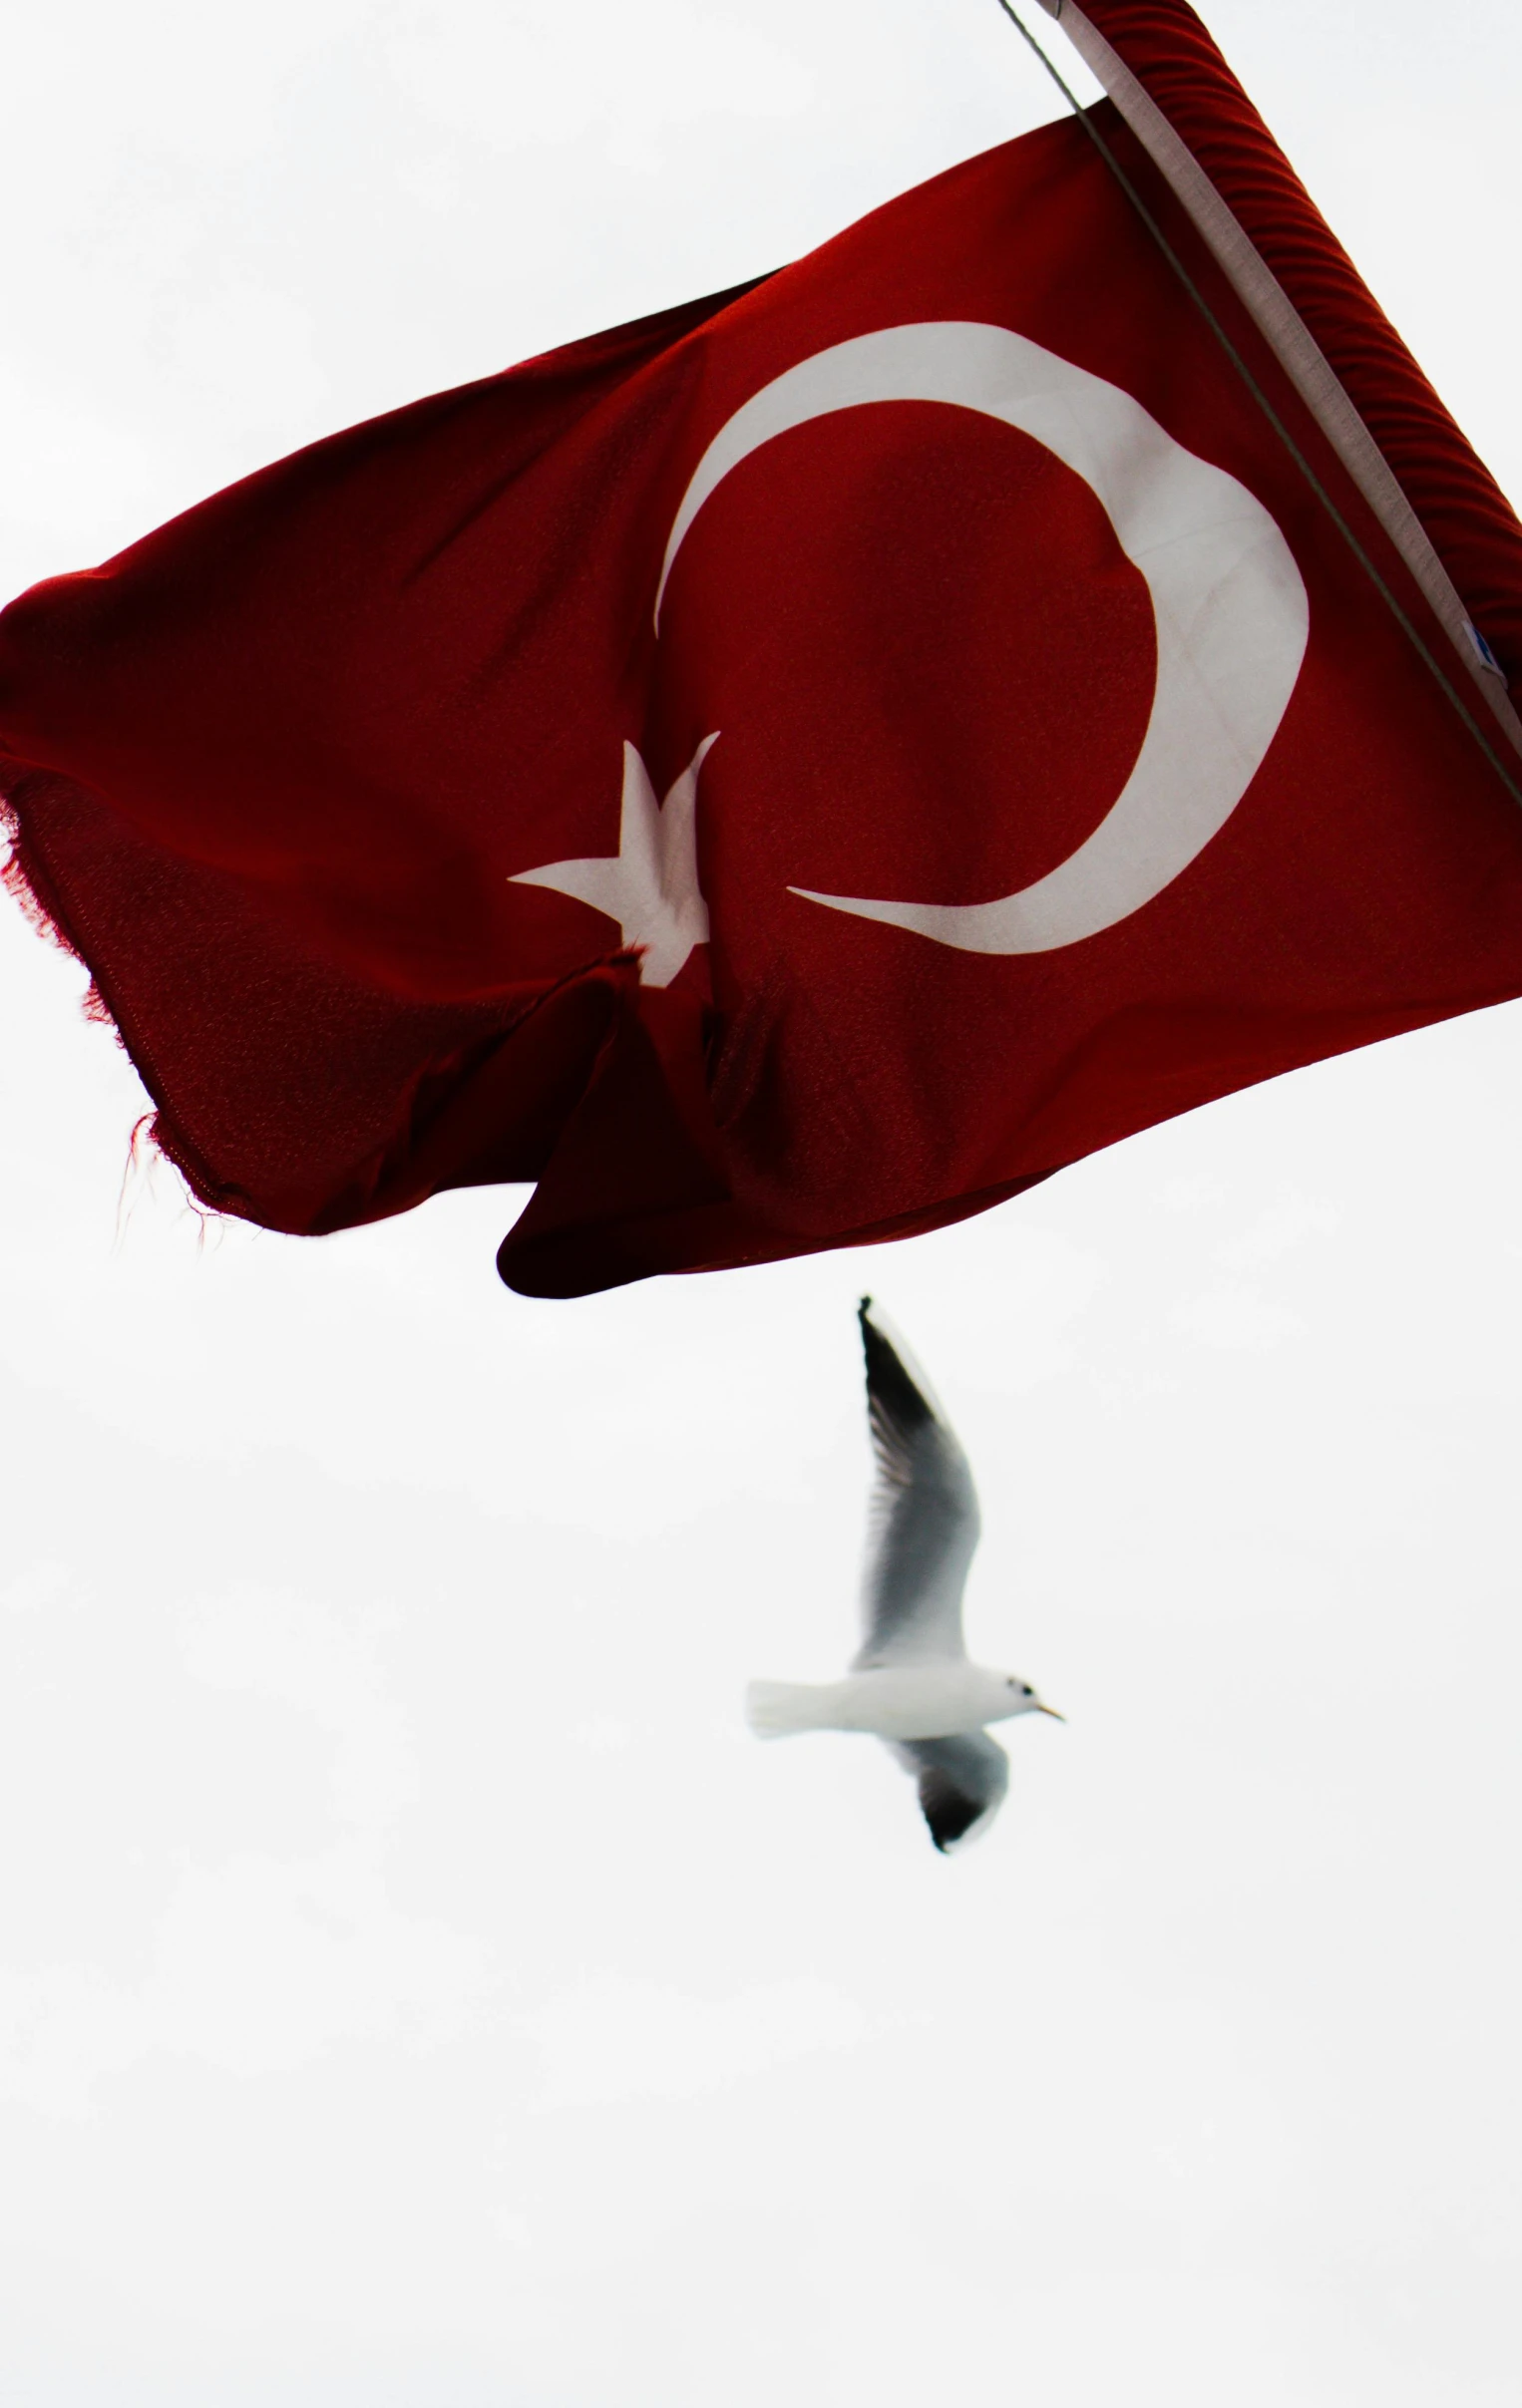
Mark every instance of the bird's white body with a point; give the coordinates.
(893, 1701)
(911, 1685)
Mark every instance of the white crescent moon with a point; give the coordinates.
(1227, 599)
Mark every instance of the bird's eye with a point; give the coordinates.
(1026, 1690)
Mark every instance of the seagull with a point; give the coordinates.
(911, 1682)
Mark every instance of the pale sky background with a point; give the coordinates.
(416, 1990)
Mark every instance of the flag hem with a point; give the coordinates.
(1296, 347)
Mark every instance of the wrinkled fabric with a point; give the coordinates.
(277, 772)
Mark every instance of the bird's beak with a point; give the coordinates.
(1053, 1711)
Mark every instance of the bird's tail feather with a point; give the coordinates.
(773, 1708)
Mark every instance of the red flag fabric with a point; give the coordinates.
(800, 769)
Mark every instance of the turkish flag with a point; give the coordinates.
(804, 767)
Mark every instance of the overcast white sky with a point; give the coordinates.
(415, 1987)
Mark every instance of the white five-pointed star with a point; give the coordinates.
(650, 886)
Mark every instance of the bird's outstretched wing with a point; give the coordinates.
(924, 1526)
(961, 1782)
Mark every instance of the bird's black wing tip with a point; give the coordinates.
(962, 1783)
(895, 1395)
(949, 1815)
